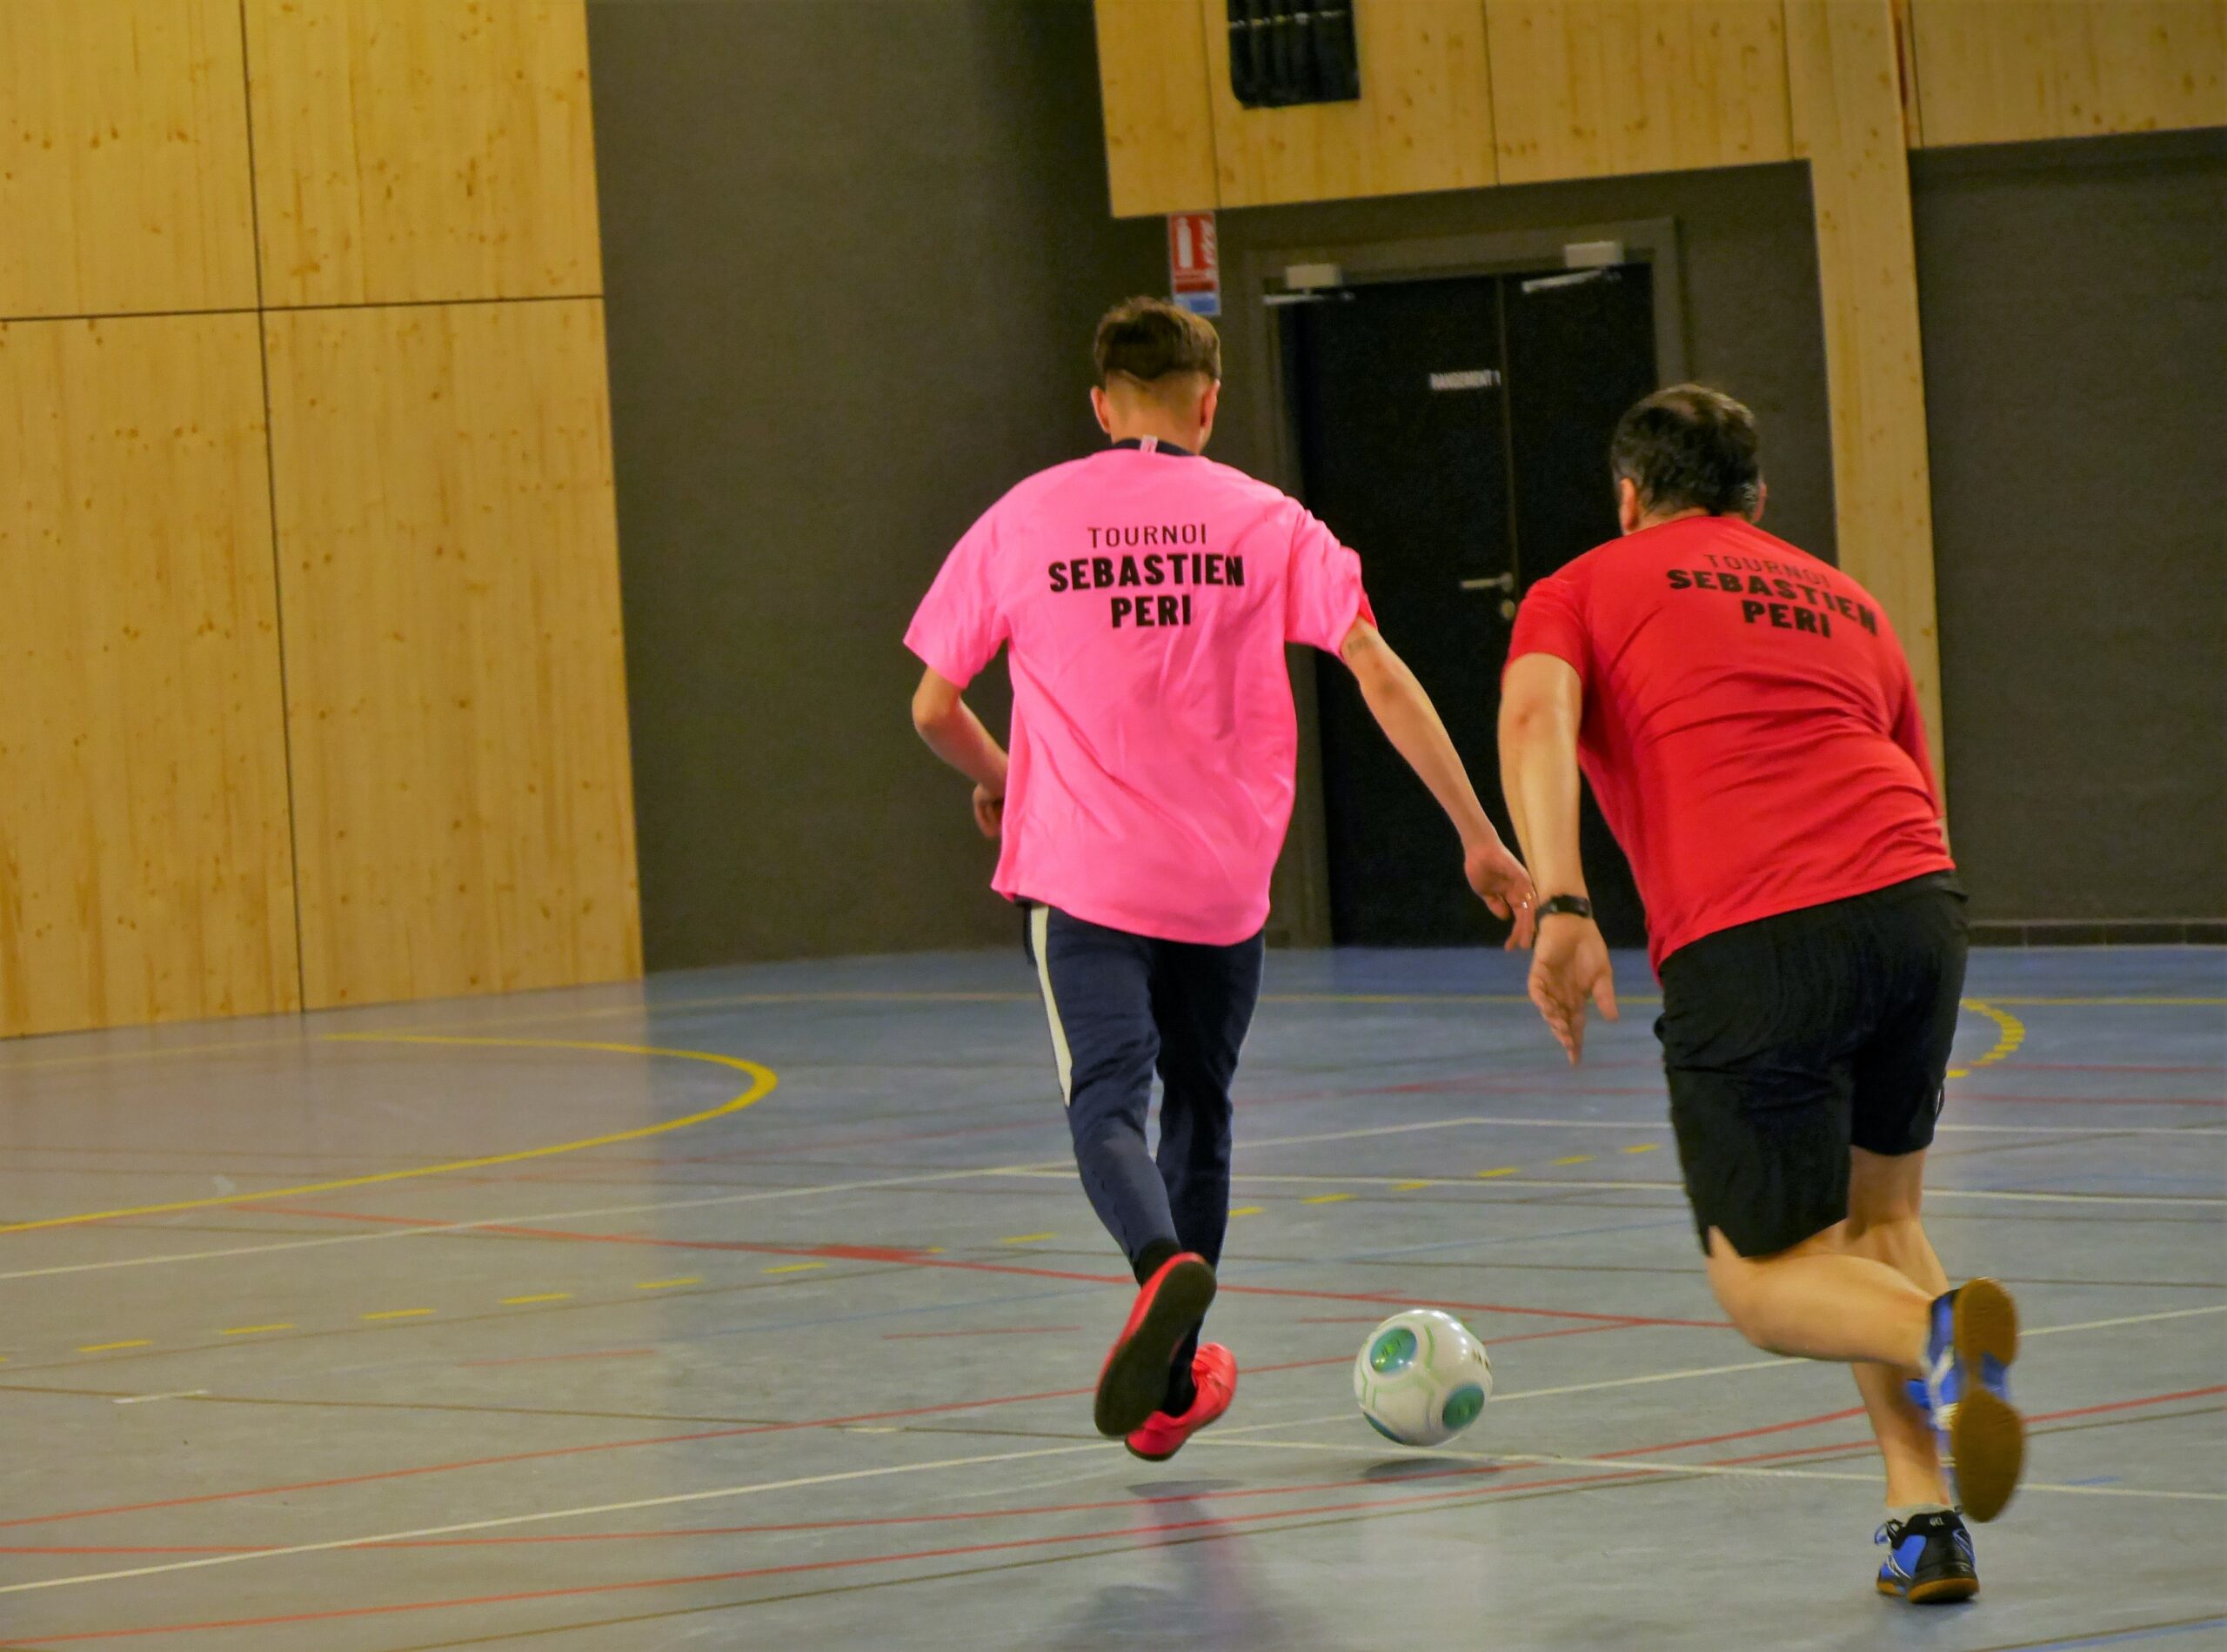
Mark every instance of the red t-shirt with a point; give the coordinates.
(1750, 728)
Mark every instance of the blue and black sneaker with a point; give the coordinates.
(1928, 1560)
(1966, 1393)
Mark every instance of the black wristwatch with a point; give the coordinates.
(1571, 905)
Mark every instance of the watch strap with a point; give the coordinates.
(1568, 906)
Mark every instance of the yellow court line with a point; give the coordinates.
(1247, 1210)
(668, 1284)
(1327, 1199)
(2098, 1003)
(795, 1267)
(254, 1330)
(105, 1347)
(1026, 1239)
(1408, 1187)
(1505, 1170)
(1577, 1159)
(1645, 1147)
(2011, 1032)
(397, 1313)
(763, 1079)
(545, 1296)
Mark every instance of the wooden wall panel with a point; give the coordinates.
(1424, 121)
(1847, 107)
(1596, 88)
(1152, 77)
(455, 687)
(144, 870)
(410, 150)
(1998, 72)
(124, 169)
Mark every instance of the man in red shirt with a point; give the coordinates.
(1748, 722)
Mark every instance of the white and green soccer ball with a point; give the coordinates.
(1421, 1377)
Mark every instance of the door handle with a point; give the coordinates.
(1504, 582)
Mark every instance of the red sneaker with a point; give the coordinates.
(1213, 1372)
(1169, 1307)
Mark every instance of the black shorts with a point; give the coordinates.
(1790, 1040)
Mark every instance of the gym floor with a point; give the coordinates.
(759, 1308)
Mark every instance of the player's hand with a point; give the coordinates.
(1503, 885)
(1569, 966)
(989, 811)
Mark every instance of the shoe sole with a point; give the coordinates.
(1987, 1437)
(1135, 1378)
(1941, 1592)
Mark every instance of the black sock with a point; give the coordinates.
(1152, 1258)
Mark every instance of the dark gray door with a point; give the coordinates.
(1455, 433)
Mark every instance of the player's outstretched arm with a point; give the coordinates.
(1403, 710)
(1541, 704)
(956, 735)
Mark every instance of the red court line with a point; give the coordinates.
(915, 1259)
(2032, 1418)
(1743, 1434)
(1227, 1524)
(789, 1527)
(1466, 1307)
(732, 1432)
(1041, 1510)
(1257, 1370)
(2124, 1405)
(1156, 1529)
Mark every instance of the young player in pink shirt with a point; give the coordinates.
(1146, 596)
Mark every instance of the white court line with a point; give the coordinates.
(148, 1399)
(1742, 1470)
(1062, 1168)
(1675, 1187)
(722, 1493)
(537, 1217)
(1774, 1361)
(1663, 1127)
(712, 1494)
(1033, 1167)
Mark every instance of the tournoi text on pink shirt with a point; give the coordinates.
(1145, 598)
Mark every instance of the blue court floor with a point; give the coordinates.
(759, 1308)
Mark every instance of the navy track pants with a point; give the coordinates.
(1122, 1008)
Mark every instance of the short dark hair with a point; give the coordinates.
(1689, 447)
(1150, 339)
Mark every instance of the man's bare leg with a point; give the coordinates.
(1882, 1224)
(1816, 1301)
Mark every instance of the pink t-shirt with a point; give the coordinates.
(1146, 598)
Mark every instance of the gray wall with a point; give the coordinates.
(2076, 384)
(853, 249)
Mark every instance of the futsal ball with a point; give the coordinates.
(1421, 1377)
